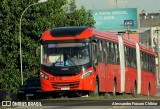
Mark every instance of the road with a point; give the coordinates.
(101, 107)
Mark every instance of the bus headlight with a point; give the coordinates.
(86, 74)
(20, 91)
(44, 76)
(38, 91)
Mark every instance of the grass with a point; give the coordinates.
(93, 98)
(5, 107)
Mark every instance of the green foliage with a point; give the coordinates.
(36, 19)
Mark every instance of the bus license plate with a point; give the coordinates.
(65, 88)
(29, 94)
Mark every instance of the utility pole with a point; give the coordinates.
(116, 3)
(128, 23)
(128, 31)
(158, 44)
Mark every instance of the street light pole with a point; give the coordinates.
(20, 41)
(116, 3)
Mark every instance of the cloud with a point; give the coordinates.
(111, 2)
(119, 3)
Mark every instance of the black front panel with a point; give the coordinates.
(66, 31)
(65, 71)
(65, 41)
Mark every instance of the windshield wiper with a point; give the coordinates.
(74, 63)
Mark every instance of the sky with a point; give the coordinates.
(148, 5)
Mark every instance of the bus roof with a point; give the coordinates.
(67, 33)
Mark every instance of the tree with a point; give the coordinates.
(79, 17)
(35, 21)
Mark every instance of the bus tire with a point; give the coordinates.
(27, 98)
(135, 90)
(96, 90)
(149, 91)
(114, 89)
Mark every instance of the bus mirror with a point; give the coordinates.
(37, 51)
(95, 62)
(94, 41)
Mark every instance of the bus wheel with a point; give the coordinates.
(114, 89)
(135, 90)
(27, 98)
(149, 91)
(96, 90)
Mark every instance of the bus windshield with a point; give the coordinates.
(65, 54)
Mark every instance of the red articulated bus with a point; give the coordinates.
(84, 60)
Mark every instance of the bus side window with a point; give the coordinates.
(111, 56)
(141, 61)
(104, 51)
(107, 57)
(144, 63)
(145, 67)
(150, 63)
(154, 64)
(93, 50)
(127, 56)
(114, 53)
(101, 51)
(134, 58)
(117, 53)
(94, 53)
(146, 59)
(98, 50)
